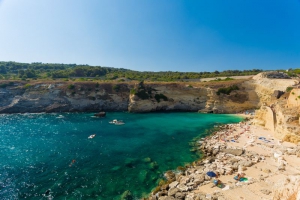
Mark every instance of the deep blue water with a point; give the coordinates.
(41, 152)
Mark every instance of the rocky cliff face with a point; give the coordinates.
(280, 110)
(82, 96)
(167, 97)
(57, 97)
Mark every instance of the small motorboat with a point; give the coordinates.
(60, 116)
(117, 122)
(113, 121)
(120, 122)
(91, 136)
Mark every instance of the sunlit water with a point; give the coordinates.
(43, 151)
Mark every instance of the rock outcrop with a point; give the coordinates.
(90, 96)
(63, 97)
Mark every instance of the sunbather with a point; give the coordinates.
(239, 176)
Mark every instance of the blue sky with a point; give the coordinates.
(153, 35)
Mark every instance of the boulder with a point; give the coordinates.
(100, 114)
(173, 191)
(236, 152)
(180, 195)
(173, 184)
(182, 188)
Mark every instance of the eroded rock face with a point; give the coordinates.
(59, 98)
(150, 97)
(167, 97)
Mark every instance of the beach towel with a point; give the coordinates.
(243, 179)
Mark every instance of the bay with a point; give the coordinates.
(50, 155)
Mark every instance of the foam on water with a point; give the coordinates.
(37, 152)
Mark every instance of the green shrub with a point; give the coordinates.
(116, 88)
(190, 86)
(227, 90)
(97, 85)
(288, 89)
(27, 86)
(143, 94)
(158, 97)
(71, 87)
(133, 91)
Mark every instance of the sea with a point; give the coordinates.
(49, 156)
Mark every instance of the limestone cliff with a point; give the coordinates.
(90, 96)
(280, 110)
(167, 97)
(63, 97)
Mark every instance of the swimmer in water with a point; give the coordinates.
(73, 161)
(92, 136)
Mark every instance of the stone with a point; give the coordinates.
(236, 152)
(126, 195)
(246, 163)
(267, 171)
(170, 175)
(185, 180)
(173, 184)
(182, 188)
(180, 195)
(100, 114)
(152, 197)
(169, 198)
(173, 191)
(265, 191)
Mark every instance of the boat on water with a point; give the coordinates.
(117, 122)
(60, 117)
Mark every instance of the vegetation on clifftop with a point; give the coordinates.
(37, 70)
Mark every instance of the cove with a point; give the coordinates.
(45, 151)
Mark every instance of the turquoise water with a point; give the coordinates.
(41, 152)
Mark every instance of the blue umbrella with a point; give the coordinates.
(211, 174)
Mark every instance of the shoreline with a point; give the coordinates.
(270, 167)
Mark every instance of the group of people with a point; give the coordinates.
(217, 182)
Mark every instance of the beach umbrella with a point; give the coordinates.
(211, 174)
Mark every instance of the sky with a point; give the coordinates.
(153, 35)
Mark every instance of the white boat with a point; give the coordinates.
(120, 122)
(113, 121)
(60, 117)
(117, 122)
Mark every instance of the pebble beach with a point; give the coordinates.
(270, 167)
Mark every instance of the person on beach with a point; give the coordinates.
(239, 176)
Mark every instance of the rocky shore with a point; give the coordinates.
(270, 166)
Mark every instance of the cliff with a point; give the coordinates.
(63, 97)
(280, 109)
(22, 97)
